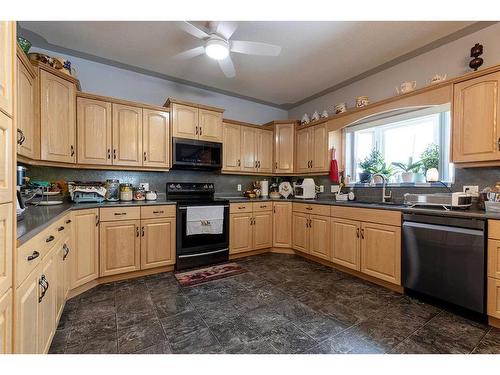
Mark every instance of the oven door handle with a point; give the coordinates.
(185, 207)
(201, 254)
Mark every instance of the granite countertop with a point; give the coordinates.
(37, 218)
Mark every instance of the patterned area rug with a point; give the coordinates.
(204, 275)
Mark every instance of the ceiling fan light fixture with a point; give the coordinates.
(217, 49)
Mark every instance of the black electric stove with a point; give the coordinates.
(200, 249)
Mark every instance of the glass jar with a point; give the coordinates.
(126, 192)
(139, 194)
(112, 190)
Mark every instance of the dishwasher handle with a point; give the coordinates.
(443, 228)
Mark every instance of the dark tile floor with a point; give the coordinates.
(284, 304)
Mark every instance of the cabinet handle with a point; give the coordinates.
(61, 228)
(241, 207)
(35, 254)
(498, 144)
(20, 137)
(137, 231)
(72, 148)
(362, 233)
(255, 163)
(66, 251)
(96, 220)
(50, 238)
(68, 221)
(311, 163)
(114, 153)
(45, 286)
(239, 163)
(310, 223)
(276, 165)
(357, 232)
(142, 231)
(309, 208)
(259, 163)
(196, 130)
(145, 156)
(201, 130)
(158, 212)
(120, 213)
(274, 209)
(109, 153)
(263, 206)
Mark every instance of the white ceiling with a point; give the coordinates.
(315, 55)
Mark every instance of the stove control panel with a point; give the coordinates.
(190, 187)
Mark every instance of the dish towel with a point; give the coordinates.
(334, 169)
(204, 220)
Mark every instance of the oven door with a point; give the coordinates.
(201, 248)
(192, 154)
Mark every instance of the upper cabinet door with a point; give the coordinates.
(248, 149)
(284, 148)
(231, 148)
(94, 131)
(7, 46)
(319, 149)
(156, 139)
(265, 151)
(476, 113)
(303, 161)
(57, 118)
(6, 165)
(184, 121)
(209, 125)
(25, 115)
(127, 135)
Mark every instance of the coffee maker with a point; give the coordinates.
(20, 183)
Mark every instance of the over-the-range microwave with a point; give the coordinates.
(193, 154)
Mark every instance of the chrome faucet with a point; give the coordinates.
(385, 198)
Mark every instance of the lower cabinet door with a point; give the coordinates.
(47, 302)
(6, 323)
(282, 224)
(263, 230)
(26, 320)
(120, 247)
(60, 292)
(300, 232)
(240, 233)
(85, 233)
(157, 242)
(381, 252)
(67, 272)
(345, 243)
(493, 299)
(319, 236)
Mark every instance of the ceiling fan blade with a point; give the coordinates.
(190, 53)
(193, 30)
(255, 48)
(224, 28)
(227, 67)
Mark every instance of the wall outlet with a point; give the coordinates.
(144, 185)
(472, 189)
(238, 187)
(321, 189)
(335, 189)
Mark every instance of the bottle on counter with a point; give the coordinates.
(139, 194)
(126, 192)
(112, 190)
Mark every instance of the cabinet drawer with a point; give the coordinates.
(63, 227)
(315, 209)
(262, 206)
(153, 212)
(240, 207)
(371, 215)
(119, 213)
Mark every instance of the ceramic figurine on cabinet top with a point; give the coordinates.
(340, 108)
(475, 52)
(362, 101)
(406, 86)
(315, 116)
(305, 119)
(324, 114)
(438, 78)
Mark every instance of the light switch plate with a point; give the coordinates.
(238, 187)
(472, 189)
(144, 185)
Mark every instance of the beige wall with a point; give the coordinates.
(452, 58)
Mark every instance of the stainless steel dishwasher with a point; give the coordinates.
(445, 258)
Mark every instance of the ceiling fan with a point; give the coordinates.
(218, 45)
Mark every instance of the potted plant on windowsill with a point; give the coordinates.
(430, 162)
(384, 169)
(409, 171)
(370, 165)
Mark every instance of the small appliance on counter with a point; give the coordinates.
(87, 192)
(304, 188)
(444, 200)
(20, 183)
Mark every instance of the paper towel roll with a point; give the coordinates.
(264, 188)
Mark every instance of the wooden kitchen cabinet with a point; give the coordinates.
(63, 266)
(6, 247)
(127, 135)
(300, 231)
(493, 298)
(120, 247)
(85, 235)
(476, 112)
(381, 251)
(6, 323)
(262, 230)
(319, 237)
(345, 243)
(310, 232)
(26, 322)
(264, 151)
(282, 224)
(284, 148)
(27, 124)
(156, 139)
(8, 48)
(94, 131)
(494, 258)
(157, 242)
(231, 150)
(57, 118)
(303, 161)
(251, 227)
(6, 164)
(210, 125)
(184, 121)
(47, 318)
(241, 233)
(312, 149)
(248, 149)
